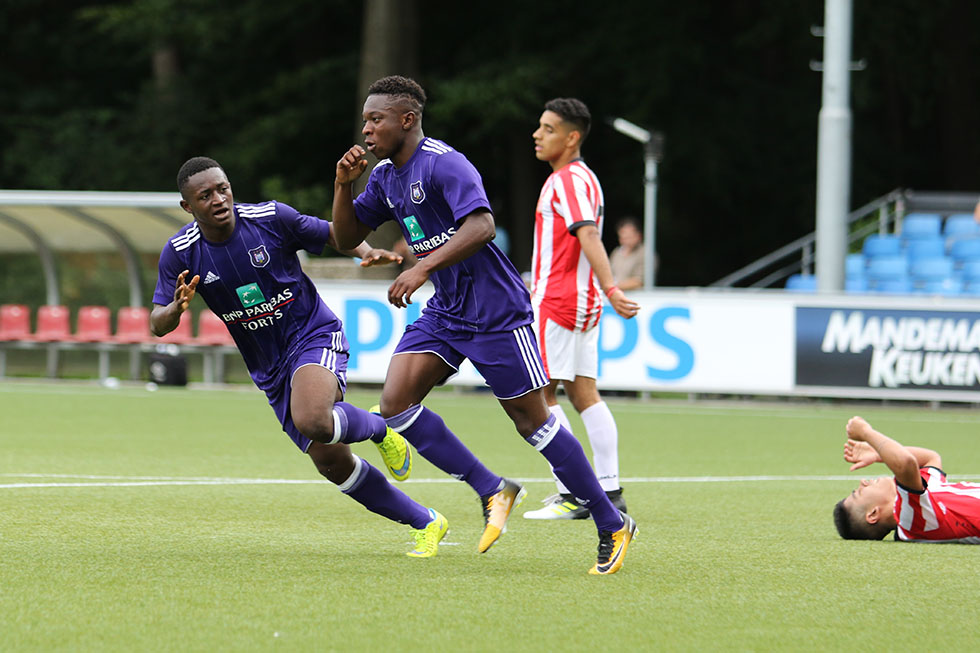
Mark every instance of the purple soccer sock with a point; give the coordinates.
(352, 424)
(434, 441)
(572, 468)
(371, 489)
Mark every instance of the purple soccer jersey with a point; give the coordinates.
(254, 282)
(426, 197)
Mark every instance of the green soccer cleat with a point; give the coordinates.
(613, 546)
(496, 509)
(559, 506)
(395, 452)
(564, 506)
(427, 539)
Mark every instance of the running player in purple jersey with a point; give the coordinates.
(241, 259)
(480, 310)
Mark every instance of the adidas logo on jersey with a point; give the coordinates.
(211, 277)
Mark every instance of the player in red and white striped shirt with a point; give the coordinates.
(570, 274)
(919, 504)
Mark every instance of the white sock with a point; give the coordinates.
(604, 439)
(558, 412)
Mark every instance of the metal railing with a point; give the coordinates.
(882, 215)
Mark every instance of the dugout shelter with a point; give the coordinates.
(129, 224)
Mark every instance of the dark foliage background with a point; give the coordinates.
(114, 96)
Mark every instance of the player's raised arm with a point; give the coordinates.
(164, 319)
(348, 232)
(903, 461)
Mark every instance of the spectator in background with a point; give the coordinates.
(626, 260)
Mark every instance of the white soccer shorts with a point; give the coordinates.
(568, 353)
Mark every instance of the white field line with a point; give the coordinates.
(144, 481)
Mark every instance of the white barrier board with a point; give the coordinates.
(735, 342)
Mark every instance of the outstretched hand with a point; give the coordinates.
(400, 292)
(378, 256)
(622, 304)
(861, 454)
(351, 165)
(184, 292)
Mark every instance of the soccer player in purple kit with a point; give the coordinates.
(241, 259)
(481, 310)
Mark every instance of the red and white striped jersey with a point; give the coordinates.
(944, 512)
(563, 287)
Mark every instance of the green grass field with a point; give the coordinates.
(139, 521)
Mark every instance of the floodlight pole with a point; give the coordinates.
(834, 147)
(653, 147)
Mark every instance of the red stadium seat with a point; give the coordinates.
(94, 324)
(211, 330)
(15, 322)
(52, 324)
(133, 325)
(183, 334)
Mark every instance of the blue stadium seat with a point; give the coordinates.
(971, 287)
(963, 250)
(801, 283)
(889, 274)
(854, 265)
(902, 286)
(948, 287)
(920, 248)
(921, 225)
(856, 284)
(934, 276)
(881, 245)
(938, 267)
(960, 224)
(971, 271)
(888, 267)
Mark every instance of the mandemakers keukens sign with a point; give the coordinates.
(888, 348)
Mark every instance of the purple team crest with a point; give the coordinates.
(259, 256)
(418, 195)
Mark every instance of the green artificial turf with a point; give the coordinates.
(184, 520)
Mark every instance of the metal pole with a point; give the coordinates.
(834, 147)
(650, 218)
(653, 148)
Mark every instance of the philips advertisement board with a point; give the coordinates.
(681, 341)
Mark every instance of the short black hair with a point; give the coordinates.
(401, 87)
(193, 166)
(572, 110)
(851, 526)
(629, 221)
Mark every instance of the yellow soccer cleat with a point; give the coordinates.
(395, 452)
(496, 509)
(613, 546)
(427, 539)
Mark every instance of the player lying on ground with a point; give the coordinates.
(242, 260)
(918, 503)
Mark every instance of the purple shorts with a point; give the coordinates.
(508, 360)
(329, 351)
